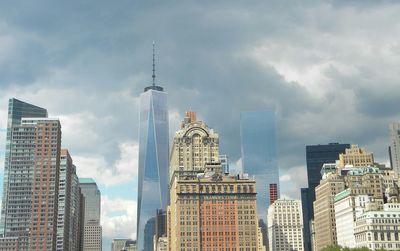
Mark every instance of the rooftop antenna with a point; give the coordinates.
(154, 66)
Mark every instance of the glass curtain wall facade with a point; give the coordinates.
(259, 154)
(153, 157)
(12, 171)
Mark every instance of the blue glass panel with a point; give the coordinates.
(259, 154)
(153, 158)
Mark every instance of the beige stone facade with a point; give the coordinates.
(324, 213)
(356, 157)
(210, 211)
(193, 146)
(366, 180)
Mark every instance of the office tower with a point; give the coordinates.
(118, 244)
(285, 225)
(394, 146)
(153, 155)
(259, 154)
(194, 146)
(211, 211)
(12, 224)
(324, 213)
(81, 226)
(64, 202)
(92, 231)
(316, 156)
(355, 156)
(304, 193)
(379, 229)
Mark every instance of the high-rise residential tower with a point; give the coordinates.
(194, 146)
(394, 147)
(46, 134)
(64, 202)
(316, 156)
(92, 230)
(259, 155)
(153, 155)
(31, 177)
(12, 172)
(76, 215)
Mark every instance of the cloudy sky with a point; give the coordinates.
(329, 68)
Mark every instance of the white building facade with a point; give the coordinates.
(379, 229)
(347, 208)
(285, 225)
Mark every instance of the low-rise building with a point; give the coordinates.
(379, 229)
(348, 206)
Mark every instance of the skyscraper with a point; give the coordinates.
(77, 213)
(64, 202)
(153, 155)
(12, 172)
(92, 231)
(45, 184)
(316, 156)
(194, 146)
(394, 148)
(31, 177)
(259, 155)
(324, 218)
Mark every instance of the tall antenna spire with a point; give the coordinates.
(154, 66)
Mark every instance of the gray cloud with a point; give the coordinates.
(206, 62)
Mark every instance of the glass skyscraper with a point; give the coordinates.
(153, 157)
(259, 155)
(16, 111)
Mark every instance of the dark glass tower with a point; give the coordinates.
(16, 111)
(316, 156)
(153, 156)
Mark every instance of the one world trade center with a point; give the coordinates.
(153, 157)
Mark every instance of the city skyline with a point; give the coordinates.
(315, 64)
